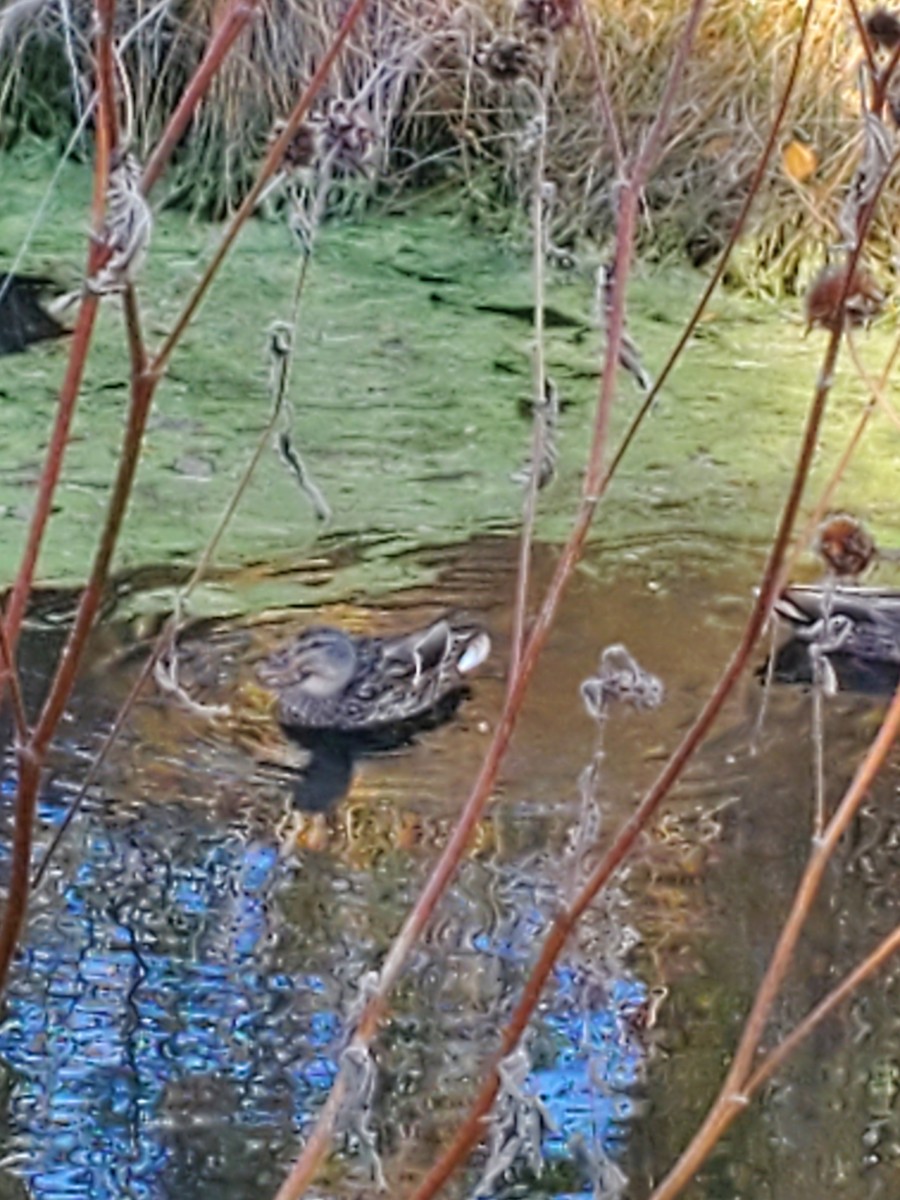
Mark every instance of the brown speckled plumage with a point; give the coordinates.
(328, 679)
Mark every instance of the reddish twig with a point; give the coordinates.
(270, 165)
(471, 1131)
(81, 336)
(826, 1006)
(29, 776)
(732, 1098)
(29, 755)
(443, 871)
(64, 678)
(7, 663)
(224, 37)
(606, 108)
(139, 409)
(736, 231)
(865, 40)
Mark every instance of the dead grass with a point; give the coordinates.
(419, 70)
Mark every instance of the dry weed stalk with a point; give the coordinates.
(730, 1103)
(545, 405)
(879, 158)
(746, 1076)
(145, 375)
(626, 219)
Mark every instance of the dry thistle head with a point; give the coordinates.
(301, 149)
(883, 28)
(845, 544)
(863, 302)
(506, 60)
(347, 135)
(548, 15)
(620, 679)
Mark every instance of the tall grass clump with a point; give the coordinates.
(444, 120)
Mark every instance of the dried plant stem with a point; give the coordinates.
(30, 754)
(733, 1096)
(59, 440)
(169, 630)
(826, 1006)
(472, 1129)
(875, 388)
(737, 229)
(64, 677)
(228, 29)
(106, 139)
(589, 37)
(7, 663)
(539, 372)
(141, 396)
(270, 165)
(864, 39)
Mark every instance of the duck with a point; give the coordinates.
(856, 630)
(23, 317)
(331, 680)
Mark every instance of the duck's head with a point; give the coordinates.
(323, 663)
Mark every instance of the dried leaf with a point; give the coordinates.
(799, 161)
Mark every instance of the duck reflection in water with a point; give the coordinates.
(851, 633)
(343, 696)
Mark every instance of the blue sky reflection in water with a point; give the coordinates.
(148, 1011)
(170, 1030)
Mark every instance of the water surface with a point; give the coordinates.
(193, 963)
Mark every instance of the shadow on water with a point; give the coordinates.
(196, 955)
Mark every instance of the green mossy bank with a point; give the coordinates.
(413, 361)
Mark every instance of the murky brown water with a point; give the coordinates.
(198, 949)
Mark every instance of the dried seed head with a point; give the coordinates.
(863, 302)
(301, 149)
(620, 679)
(883, 28)
(506, 60)
(845, 544)
(549, 15)
(347, 135)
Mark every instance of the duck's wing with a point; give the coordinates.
(440, 648)
(419, 653)
(804, 606)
